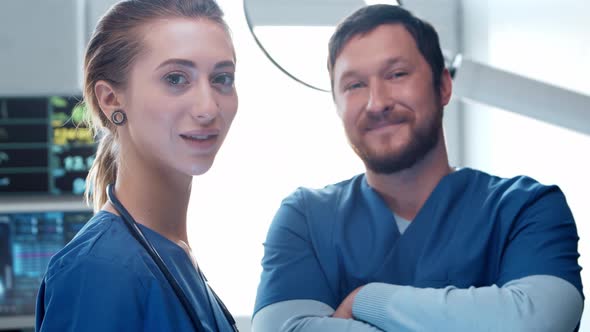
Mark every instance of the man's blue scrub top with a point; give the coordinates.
(474, 230)
(103, 280)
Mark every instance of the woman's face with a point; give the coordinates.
(180, 99)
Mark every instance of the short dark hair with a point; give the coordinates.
(368, 18)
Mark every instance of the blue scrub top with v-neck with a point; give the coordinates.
(474, 230)
(103, 280)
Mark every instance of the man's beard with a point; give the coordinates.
(422, 141)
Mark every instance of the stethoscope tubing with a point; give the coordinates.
(149, 248)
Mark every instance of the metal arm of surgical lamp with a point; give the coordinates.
(480, 83)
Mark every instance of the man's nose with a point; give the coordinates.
(380, 98)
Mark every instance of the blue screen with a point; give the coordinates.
(27, 242)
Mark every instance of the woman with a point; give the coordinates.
(159, 83)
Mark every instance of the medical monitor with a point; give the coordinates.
(45, 146)
(28, 240)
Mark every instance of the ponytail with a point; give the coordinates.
(102, 172)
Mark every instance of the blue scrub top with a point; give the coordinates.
(103, 280)
(474, 230)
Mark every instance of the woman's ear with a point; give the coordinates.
(108, 98)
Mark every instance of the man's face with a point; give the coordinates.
(383, 89)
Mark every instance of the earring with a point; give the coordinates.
(118, 117)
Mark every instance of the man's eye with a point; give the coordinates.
(225, 79)
(356, 85)
(397, 74)
(176, 79)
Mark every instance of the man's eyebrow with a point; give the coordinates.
(388, 63)
(347, 74)
(393, 61)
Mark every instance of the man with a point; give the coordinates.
(414, 244)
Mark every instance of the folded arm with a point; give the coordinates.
(536, 303)
(304, 315)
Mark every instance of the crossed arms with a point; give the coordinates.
(536, 303)
(527, 296)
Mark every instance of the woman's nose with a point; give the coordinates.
(207, 107)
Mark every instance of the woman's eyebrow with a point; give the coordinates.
(182, 62)
(225, 64)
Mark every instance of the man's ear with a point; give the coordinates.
(446, 87)
(108, 98)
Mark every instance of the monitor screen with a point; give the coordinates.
(27, 242)
(45, 147)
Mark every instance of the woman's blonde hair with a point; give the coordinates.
(112, 49)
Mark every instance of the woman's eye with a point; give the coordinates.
(225, 79)
(176, 79)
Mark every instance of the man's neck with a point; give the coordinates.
(406, 191)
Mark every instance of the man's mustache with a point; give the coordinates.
(386, 117)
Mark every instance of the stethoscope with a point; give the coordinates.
(140, 237)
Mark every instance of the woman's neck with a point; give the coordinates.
(155, 198)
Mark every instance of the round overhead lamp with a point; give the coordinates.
(294, 34)
(378, 2)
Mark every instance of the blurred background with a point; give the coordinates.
(521, 106)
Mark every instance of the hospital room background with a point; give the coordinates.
(519, 114)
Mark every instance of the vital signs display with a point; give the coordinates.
(45, 146)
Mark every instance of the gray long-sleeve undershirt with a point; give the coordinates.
(535, 303)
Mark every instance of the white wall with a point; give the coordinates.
(548, 41)
(284, 136)
(41, 46)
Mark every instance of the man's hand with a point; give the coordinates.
(345, 308)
